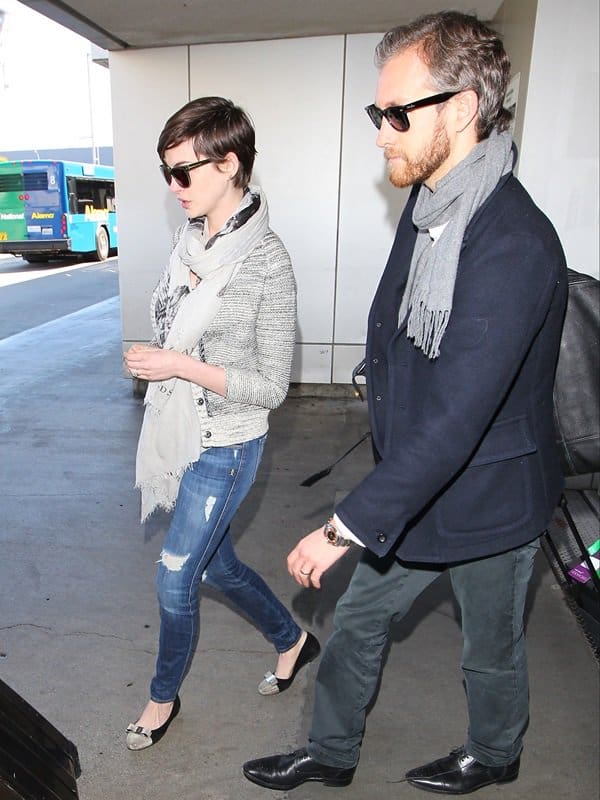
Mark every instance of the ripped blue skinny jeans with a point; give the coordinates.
(198, 549)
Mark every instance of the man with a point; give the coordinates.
(462, 343)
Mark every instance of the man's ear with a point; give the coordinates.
(466, 107)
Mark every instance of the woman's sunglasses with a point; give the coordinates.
(397, 116)
(181, 174)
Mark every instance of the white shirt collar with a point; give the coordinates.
(437, 231)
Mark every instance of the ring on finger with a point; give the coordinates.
(306, 574)
(134, 372)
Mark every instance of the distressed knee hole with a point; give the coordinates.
(208, 507)
(171, 562)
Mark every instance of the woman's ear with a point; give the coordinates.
(230, 165)
(466, 105)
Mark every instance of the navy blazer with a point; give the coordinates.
(467, 462)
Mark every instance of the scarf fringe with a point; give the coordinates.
(159, 491)
(426, 328)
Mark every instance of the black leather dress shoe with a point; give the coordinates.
(288, 771)
(460, 773)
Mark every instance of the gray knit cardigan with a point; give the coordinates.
(252, 338)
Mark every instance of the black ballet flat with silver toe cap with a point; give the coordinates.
(271, 684)
(139, 738)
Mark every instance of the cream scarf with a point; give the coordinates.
(170, 440)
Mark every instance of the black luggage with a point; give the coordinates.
(577, 383)
(36, 761)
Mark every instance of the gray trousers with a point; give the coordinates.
(491, 594)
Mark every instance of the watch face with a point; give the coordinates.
(330, 532)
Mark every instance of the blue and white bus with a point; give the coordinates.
(57, 208)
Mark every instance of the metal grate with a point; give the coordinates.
(35, 181)
(12, 182)
(29, 182)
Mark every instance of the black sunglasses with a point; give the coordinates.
(181, 174)
(397, 116)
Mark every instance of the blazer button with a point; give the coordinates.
(378, 324)
(375, 361)
(207, 435)
(381, 538)
(378, 397)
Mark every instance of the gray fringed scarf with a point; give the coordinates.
(427, 299)
(170, 439)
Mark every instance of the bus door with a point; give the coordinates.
(87, 211)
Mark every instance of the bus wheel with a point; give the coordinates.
(102, 244)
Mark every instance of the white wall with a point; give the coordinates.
(515, 22)
(369, 209)
(298, 126)
(147, 86)
(559, 158)
(317, 161)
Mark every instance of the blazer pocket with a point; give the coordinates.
(507, 438)
(494, 494)
(467, 333)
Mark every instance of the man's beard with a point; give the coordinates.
(418, 170)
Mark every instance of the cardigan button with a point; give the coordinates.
(207, 435)
(381, 538)
(200, 401)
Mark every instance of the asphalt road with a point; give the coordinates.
(31, 295)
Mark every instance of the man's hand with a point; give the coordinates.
(153, 363)
(311, 557)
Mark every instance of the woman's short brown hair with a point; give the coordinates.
(216, 127)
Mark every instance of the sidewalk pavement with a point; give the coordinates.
(79, 622)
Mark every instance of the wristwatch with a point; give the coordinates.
(330, 532)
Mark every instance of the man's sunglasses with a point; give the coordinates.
(181, 174)
(397, 116)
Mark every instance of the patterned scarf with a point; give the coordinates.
(427, 299)
(171, 439)
(166, 301)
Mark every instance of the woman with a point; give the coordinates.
(223, 315)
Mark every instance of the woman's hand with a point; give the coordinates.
(153, 363)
